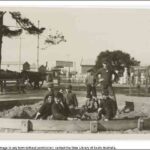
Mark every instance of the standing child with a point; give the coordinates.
(90, 82)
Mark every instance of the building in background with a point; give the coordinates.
(141, 74)
(14, 66)
(138, 75)
(86, 64)
(66, 67)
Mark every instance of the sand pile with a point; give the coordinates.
(24, 111)
(141, 108)
(29, 111)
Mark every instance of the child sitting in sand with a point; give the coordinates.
(107, 108)
(45, 109)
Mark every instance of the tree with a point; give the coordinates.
(55, 39)
(24, 23)
(117, 59)
(28, 26)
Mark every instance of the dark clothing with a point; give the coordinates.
(71, 99)
(59, 111)
(91, 105)
(106, 75)
(90, 82)
(108, 108)
(106, 83)
(49, 93)
(21, 85)
(62, 97)
(91, 91)
(108, 90)
(45, 110)
(1, 86)
(90, 79)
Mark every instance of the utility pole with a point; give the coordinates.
(1, 34)
(20, 47)
(68, 66)
(38, 46)
(146, 81)
(20, 52)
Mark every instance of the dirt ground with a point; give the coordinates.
(141, 109)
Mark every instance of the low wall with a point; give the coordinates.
(25, 125)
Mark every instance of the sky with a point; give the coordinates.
(88, 32)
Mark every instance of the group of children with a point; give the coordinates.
(106, 107)
(58, 105)
(63, 105)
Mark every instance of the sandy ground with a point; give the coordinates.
(142, 108)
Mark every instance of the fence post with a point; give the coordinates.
(94, 126)
(25, 126)
(140, 124)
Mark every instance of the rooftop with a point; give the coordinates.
(87, 62)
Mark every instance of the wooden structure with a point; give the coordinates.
(8, 77)
(35, 78)
(25, 125)
(53, 76)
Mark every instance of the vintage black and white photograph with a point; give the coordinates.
(74, 70)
